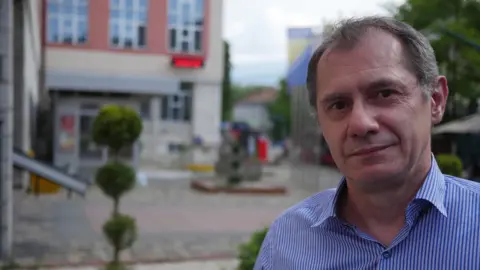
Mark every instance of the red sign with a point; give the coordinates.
(67, 123)
(187, 62)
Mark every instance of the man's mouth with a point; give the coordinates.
(369, 150)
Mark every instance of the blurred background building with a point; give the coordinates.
(61, 60)
(305, 133)
(20, 65)
(163, 58)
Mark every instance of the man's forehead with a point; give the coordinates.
(377, 57)
(372, 47)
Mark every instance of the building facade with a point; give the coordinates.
(20, 63)
(253, 109)
(163, 58)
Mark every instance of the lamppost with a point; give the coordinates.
(6, 128)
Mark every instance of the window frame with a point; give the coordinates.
(181, 104)
(122, 22)
(197, 10)
(146, 109)
(60, 17)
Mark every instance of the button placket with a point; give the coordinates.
(386, 254)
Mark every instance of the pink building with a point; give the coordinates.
(162, 57)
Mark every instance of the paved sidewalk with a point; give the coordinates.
(174, 222)
(199, 265)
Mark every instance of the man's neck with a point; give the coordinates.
(382, 214)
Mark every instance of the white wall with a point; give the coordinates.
(206, 120)
(205, 123)
(32, 63)
(256, 115)
(26, 78)
(156, 137)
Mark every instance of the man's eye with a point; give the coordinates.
(339, 105)
(385, 93)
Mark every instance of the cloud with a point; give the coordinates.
(257, 29)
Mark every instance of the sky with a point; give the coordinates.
(256, 31)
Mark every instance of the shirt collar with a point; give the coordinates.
(432, 190)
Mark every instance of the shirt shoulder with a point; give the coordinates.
(307, 212)
(462, 189)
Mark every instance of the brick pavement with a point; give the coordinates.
(174, 222)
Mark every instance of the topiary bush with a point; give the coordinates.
(121, 232)
(116, 128)
(248, 251)
(115, 179)
(450, 164)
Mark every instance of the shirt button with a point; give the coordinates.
(386, 254)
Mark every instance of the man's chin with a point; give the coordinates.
(375, 173)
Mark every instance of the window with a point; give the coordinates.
(177, 107)
(128, 23)
(185, 25)
(145, 109)
(88, 148)
(67, 21)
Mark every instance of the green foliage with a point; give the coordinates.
(248, 252)
(450, 164)
(10, 265)
(453, 27)
(121, 231)
(115, 179)
(280, 113)
(116, 127)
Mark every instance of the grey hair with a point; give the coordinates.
(419, 54)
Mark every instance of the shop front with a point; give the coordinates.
(74, 149)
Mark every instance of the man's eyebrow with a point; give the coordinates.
(382, 83)
(376, 84)
(329, 98)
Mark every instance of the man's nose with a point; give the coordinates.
(362, 121)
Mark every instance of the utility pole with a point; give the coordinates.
(6, 128)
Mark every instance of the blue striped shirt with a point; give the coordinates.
(441, 232)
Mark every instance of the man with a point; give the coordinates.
(375, 86)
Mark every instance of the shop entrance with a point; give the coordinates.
(76, 152)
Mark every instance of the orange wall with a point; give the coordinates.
(98, 38)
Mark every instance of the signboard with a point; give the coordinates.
(188, 62)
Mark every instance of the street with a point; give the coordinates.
(174, 222)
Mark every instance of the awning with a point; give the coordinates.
(95, 82)
(468, 124)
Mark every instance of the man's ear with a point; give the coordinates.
(439, 99)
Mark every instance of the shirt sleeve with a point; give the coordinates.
(264, 258)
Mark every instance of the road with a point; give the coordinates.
(174, 222)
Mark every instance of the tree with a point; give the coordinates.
(116, 128)
(280, 112)
(226, 85)
(454, 30)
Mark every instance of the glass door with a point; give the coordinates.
(88, 150)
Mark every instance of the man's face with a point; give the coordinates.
(373, 114)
